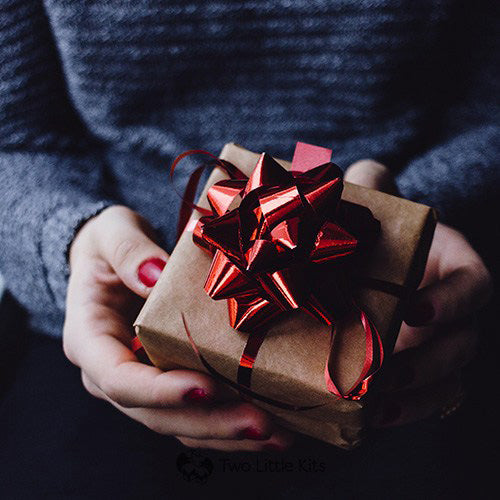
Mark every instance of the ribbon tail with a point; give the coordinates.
(374, 356)
(248, 357)
(190, 191)
(187, 198)
(242, 389)
(188, 204)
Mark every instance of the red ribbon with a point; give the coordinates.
(274, 237)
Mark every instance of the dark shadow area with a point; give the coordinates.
(56, 441)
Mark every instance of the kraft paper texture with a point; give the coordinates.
(290, 364)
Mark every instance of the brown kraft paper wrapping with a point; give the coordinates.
(290, 364)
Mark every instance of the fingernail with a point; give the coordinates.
(196, 396)
(252, 433)
(390, 412)
(149, 271)
(404, 378)
(272, 448)
(420, 314)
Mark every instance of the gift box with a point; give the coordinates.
(297, 360)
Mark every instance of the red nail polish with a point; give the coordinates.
(420, 314)
(149, 271)
(272, 448)
(252, 433)
(196, 396)
(391, 412)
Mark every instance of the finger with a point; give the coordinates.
(126, 245)
(435, 360)
(464, 283)
(417, 404)
(227, 421)
(112, 367)
(371, 174)
(281, 440)
(232, 421)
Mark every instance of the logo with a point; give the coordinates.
(194, 467)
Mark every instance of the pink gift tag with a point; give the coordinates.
(307, 156)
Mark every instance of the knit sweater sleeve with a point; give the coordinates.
(51, 175)
(44, 199)
(458, 173)
(459, 177)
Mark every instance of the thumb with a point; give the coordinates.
(125, 242)
(463, 286)
(371, 174)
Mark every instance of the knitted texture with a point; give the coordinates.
(97, 97)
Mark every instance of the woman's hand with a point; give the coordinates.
(438, 337)
(114, 263)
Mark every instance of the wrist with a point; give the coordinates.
(80, 243)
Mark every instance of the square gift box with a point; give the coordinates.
(290, 365)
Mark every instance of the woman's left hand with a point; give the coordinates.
(438, 337)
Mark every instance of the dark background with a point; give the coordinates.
(56, 441)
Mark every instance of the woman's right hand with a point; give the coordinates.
(114, 263)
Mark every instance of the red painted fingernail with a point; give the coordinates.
(252, 433)
(272, 448)
(149, 271)
(420, 314)
(196, 396)
(404, 377)
(390, 412)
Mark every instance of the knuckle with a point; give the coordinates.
(86, 383)
(89, 386)
(68, 350)
(111, 389)
(123, 401)
(124, 251)
(372, 174)
(368, 165)
(160, 392)
(119, 391)
(361, 164)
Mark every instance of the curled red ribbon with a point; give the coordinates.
(273, 236)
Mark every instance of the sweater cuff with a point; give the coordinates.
(58, 232)
(457, 177)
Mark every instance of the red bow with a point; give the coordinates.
(268, 246)
(273, 236)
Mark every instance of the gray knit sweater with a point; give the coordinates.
(96, 97)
